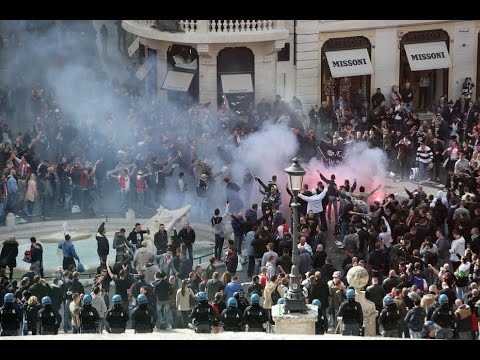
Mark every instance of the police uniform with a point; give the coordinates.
(351, 313)
(388, 320)
(48, 321)
(88, 319)
(201, 316)
(116, 319)
(254, 317)
(231, 318)
(445, 318)
(142, 319)
(10, 319)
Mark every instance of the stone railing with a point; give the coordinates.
(242, 25)
(211, 31)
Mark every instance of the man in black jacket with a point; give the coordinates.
(187, 237)
(37, 255)
(320, 291)
(162, 290)
(375, 293)
(136, 236)
(103, 247)
(160, 240)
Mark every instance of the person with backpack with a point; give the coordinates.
(444, 316)
(231, 318)
(415, 317)
(350, 312)
(255, 318)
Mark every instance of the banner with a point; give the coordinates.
(332, 155)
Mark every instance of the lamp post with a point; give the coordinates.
(295, 300)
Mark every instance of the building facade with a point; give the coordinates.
(315, 60)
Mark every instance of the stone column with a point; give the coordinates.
(207, 75)
(265, 59)
(308, 61)
(161, 73)
(357, 277)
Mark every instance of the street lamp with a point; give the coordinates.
(295, 300)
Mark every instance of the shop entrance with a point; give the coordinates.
(235, 78)
(430, 83)
(334, 86)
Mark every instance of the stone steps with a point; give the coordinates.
(187, 334)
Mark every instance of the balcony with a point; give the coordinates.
(211, 31)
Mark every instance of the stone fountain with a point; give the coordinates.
(82, 232)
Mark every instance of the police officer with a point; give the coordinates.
(389, 318)
(255, 317)
(351, 313)
(88, 316)
(319, 325)
(116, 317)
(142, 318)
(231, 317)
(202, 315)
(10, 316)
(444, 317)
(49, 323)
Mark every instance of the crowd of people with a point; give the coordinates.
(418, 251)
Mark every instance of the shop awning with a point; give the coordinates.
(237, 83)
(349, 62)
(143, 70)
(177, 80)
(428, 56)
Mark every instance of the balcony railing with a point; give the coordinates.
(205, 31)
(241, 25)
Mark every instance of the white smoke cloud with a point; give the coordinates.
(266, 152)
(367, 165)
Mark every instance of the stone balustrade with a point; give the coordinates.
(211, 31)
